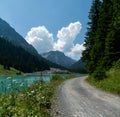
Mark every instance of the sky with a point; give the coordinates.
(49, 24)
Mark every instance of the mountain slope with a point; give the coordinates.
(11, 71)
(59, 58)
(8, 33)
(19, 58)
(79, 66)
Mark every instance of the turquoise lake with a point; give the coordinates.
(19, 82)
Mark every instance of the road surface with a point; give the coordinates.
(76, 98)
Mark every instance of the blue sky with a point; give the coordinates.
(53, 15)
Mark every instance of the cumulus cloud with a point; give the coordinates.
(76, 51)
(40, 38)
(43, 40)
(66, 37)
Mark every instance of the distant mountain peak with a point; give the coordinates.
(59, 58)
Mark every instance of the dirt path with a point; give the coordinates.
(76, 98)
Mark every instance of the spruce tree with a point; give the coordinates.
(90, 35)
(98, 49)
(112, 48)
(103, 39)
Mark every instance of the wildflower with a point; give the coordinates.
(43, 97)
(32, 91)
(28, 93)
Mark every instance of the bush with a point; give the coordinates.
(56, 77)
(110, 84)
(99, 73)
(116, 65)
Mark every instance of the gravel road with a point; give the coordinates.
(76, 98)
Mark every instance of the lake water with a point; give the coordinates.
(19, 82)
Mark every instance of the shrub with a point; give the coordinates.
(116, 65)
(99, 73)
(56, 77)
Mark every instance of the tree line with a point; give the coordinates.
(19, 58)
(102, 41)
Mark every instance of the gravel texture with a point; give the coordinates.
(76, 98)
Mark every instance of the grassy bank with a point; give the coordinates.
(35, 101)
(12, 71)
(110, 84)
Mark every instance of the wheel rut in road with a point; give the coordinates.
(76, 98)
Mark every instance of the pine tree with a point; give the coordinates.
(105, 19)
(90, 40)
(103, 39)
(103, 29)
(112, 50)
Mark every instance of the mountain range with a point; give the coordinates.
(63, 60)
(16, 52)
(59, 58)
(16, 41)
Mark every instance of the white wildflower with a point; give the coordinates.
(32, 91)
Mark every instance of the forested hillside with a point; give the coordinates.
(102, 39)
(79, 67)
(19, 58)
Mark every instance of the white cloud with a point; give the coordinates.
(40, 38)
(76, 51)
(66, 37)
(43, 40)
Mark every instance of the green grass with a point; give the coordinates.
(12, 71)
(110, 84)
(35, 101)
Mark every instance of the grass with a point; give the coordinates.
(12, 71)
(110, 84)
(35, 101)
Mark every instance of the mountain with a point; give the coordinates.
(8, 33)
(19, 58)
(59, 58)
(79, 66)
(12, 39)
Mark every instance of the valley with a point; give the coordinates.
(60, 58)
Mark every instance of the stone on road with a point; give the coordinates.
(76, 98)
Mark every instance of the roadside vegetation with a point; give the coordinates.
(102, 53)
(112, 81)
(34, 101)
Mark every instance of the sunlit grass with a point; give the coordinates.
(12, 71)
(111, 83)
